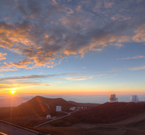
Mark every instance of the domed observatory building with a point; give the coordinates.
(134, 98)
(48, 116)
(113, 98)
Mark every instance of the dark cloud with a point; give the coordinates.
(29, 8)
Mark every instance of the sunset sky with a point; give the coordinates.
(72, 46)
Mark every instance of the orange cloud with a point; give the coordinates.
(138, 57)
(21, 64)
(137, 68)
(4, 68)
(19, 32)
(69, 52)
(13, 66)
(2, 56)
(124, 39)
(139, 34)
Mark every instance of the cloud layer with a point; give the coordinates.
(46, 32)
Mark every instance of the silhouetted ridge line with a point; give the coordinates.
(39, 106)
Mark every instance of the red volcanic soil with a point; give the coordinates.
(41, 105)
(110, 112)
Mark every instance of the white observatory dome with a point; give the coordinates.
(134, 98)
(113, 98)
(48, 116)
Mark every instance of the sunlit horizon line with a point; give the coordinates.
(101, 93)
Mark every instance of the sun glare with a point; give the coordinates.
(13, 91)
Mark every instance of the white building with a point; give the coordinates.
(113, 98)
(48, 116)
(58, 108)
(72, 108)
(134, 98)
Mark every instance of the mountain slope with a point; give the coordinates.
(110, 112)
(40, 106)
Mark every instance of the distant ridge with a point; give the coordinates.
(89, 105)
(110, 112)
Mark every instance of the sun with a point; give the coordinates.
(12, 91)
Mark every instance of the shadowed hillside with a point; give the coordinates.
(110, 112)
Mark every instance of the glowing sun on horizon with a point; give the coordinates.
(12, 91)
